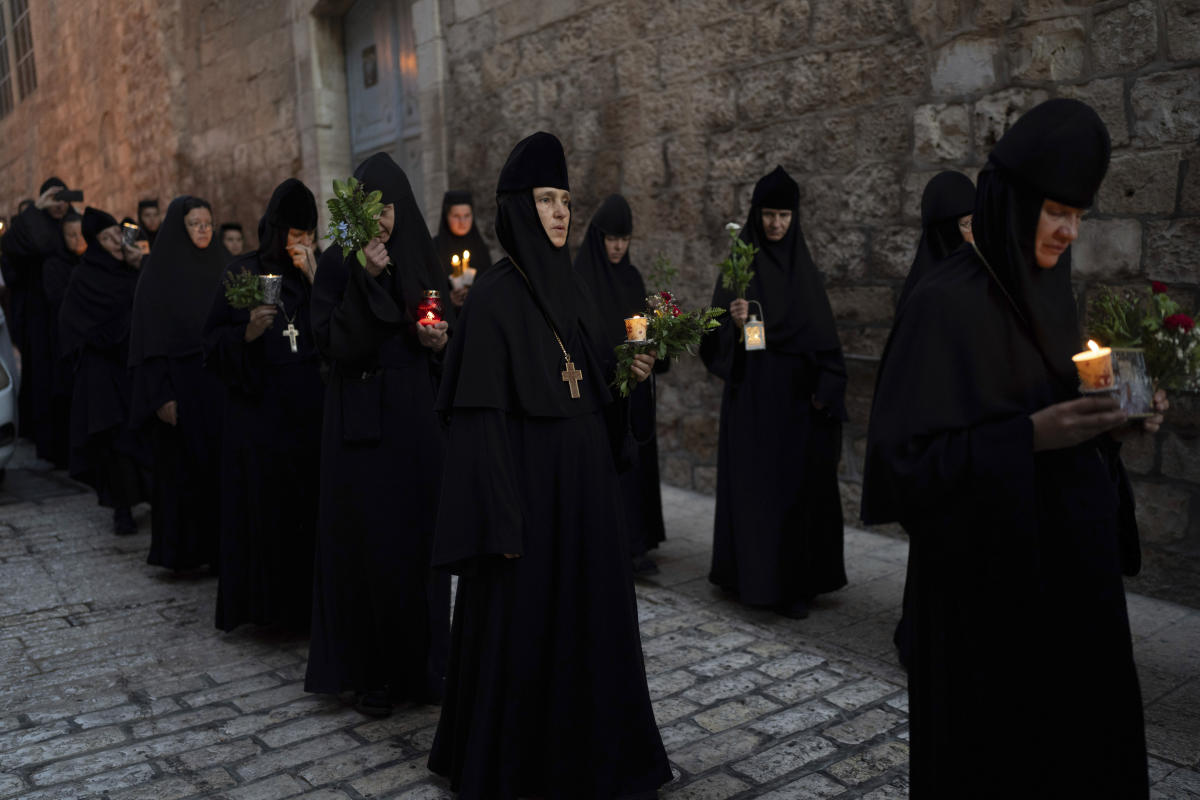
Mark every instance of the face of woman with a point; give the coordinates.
(110, 240)
(616, 247)
(387, 219)
(297, 236)
(73, 237)
(232, 239)
(199, 226)
(964, 227)
(459, 219)
(776, 222)
(1058, 226)
(554, 209)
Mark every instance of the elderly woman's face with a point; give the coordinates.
(776, 222)
(554, 209)
(198, 222)
(1058, 226)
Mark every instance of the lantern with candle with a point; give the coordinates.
(1095, 368)
(429, 312)
(755, 330)
(635, 328)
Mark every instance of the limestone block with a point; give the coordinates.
(992, 13)
(1107, 96)
(676, 471)
(892, 251)
(861, 304)
(1183, 29)
(1189, 195)
(1181, 457)
(644, 168)
(1139, 454)
(884, 133)
(854, 22)
(864, 341)
(1166, 107)
(996, 113)
(1171, 250)
(1051, 50)
(687, 160)
(465, 9)
(498, 66)
(637, 68)
(941, 133)
(839, 252)
(965, 65)
(794, 143)
(893, 70)
(933, 19)
(839, 142)
(782, 26)
(470, 36)
(764, 92)
(733, 158)
(1126, 37)
(1107, 249)
(872, 191)
(714, 100)
(1141, 183)
(682, 53)
(1162, 511)
(518, 102)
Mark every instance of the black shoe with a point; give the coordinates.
(796, 609)
(374, 704)
(644, 565)
(123, 524)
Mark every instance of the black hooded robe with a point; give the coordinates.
(1021, 667)
(619, 292)
(105, 452)
(271, 436)
(381, 614)
(777, 537)
(446, 244)
(546, 690)
(56, 275)
(174, 296)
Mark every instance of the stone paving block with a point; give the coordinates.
(795, 719)
(96, 785)
(724, 664)
(894, 790)
(857, 695)
(353, 762)
(899, 702)
(870, 763)
(128, 713)
(284, 758)
(11, 785)
(864, 727)
(429, 791)
(734, 713)
(271, 697)
(173, 787)
(670, 709)
(77, 706)
(422, 740)
(382, 783)
(61, 747)
(228, 691)
(173, 686)
(398, 724)
(170, 723)
(715, 751)
(804, 687)
(243, 668)
(19, 738)
(811, 787)
(217, 754)
(307, 727)
(768, 648)
(276, 788)
(669, 683)
(784, 758)
(783, 668)
(681, 733)
(657, 627)
(725, 687)
(324, 794)
(713, 787)
(252, 723)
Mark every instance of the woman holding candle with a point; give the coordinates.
(270, 457)
(777, 539)
(1012, 491)
(618, 291)
(546, 691)
(174, 397)
(380, 621)
(459, 243)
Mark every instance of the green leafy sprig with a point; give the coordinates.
(243, 289)
(735, 270)
(354, 216)
(673, 332)
(1151, 320)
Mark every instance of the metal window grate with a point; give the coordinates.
(23, 48)
(6, 92)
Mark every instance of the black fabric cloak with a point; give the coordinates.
(105, 452)
(546, 690)
(619, 292)
(166, 354)
(1014, 594)
(56, 274)
(948, 197)
(778, 531)
(380, 613)
(271, 436)
(144, 233)
(447, 244)
(33, 237)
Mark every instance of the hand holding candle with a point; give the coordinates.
(429, 312)
(1095, 367)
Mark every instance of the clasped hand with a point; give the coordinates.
(377, 257)
(433, 336)
(1075, 421)
(643, 365)
(739, 311)
(261, 318)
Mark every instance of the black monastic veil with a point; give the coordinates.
(447, 244)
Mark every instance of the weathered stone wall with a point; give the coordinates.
(681, 105)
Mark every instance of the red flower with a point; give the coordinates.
(1158, 287)
(665, 296)
(674, 311)
(1179, 322)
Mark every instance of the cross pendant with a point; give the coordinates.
(572, 376)
(292, 333)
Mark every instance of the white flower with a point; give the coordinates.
(732, 226)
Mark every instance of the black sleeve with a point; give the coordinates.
(151, 389)
(235, 361)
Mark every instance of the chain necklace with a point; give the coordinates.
(570, 375)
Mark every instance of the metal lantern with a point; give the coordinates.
(755, 330)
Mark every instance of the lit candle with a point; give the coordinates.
(1095, 367)
(430, 308)
(455, 265)
(466, 259)
(635, 328)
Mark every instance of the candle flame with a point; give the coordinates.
(454, 260)
(466, 255)
(1095, 348)
(428, 315)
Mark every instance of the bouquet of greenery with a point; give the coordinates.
(1154, 322)
(735, 270)
(243, 289)
(354, 216)
(669, 331)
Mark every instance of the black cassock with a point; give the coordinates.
(380, 613)
(546, 690)
(174, 295)
(1021, 662)
(270, 456)
(778, 531)
(105, 452)
(56, 275)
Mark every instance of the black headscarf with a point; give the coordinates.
(99, 299)
(447, 244)
(948, 197)
(146, 233)
(409, 246)
(786, 282)
(176, 289)
(292, 205)
(617, 289)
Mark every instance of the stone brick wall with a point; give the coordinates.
(681, 105)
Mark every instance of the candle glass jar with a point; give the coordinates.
(429, 311)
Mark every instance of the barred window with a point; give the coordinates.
(23, 48)
(6, 92)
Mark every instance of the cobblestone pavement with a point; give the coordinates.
(117, 685)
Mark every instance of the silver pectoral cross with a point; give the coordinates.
(292, 333)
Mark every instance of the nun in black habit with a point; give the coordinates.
(106, 453)
(380, 624)
(777, 540)
(175, 399)
(546, 690)
(619, 292)
(1018, 509)
(946, 206)
(457, 232)
(56, 274)
(271, 440)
